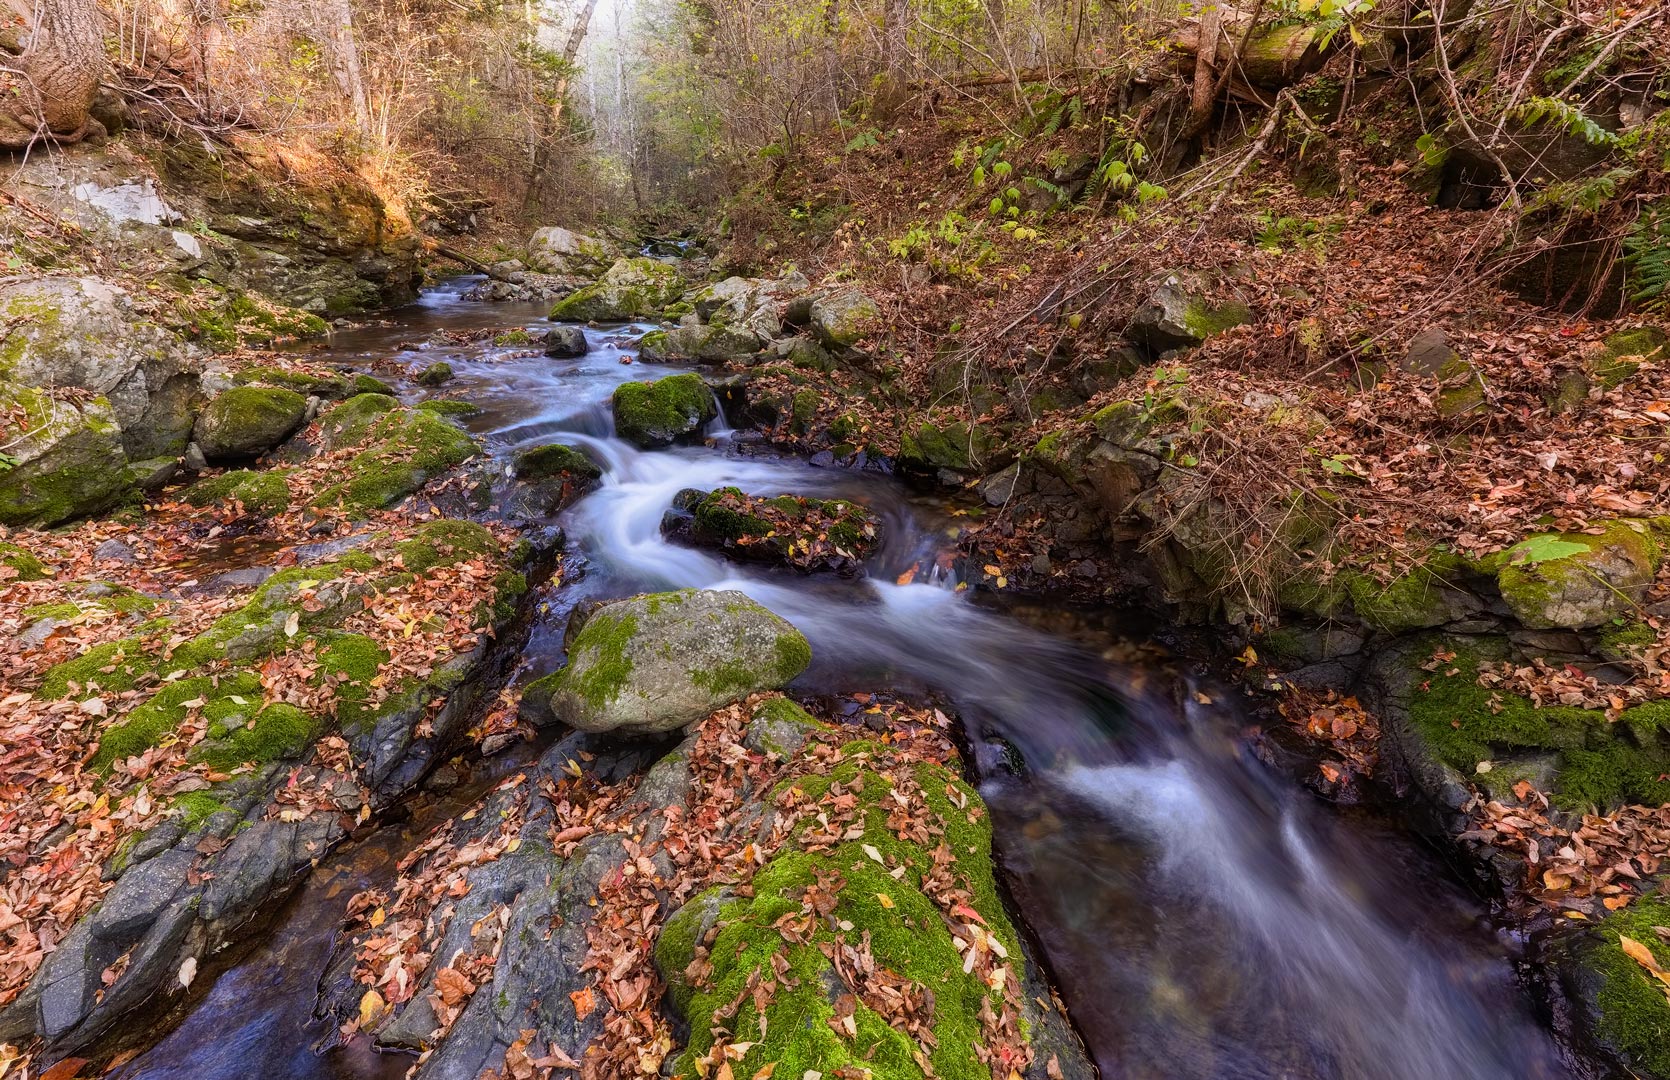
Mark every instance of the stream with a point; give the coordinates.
(1203, 915)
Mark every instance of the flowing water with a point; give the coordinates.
(1203, 915)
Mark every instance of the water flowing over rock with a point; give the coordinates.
(659, 662)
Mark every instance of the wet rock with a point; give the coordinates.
(657, 663)
(68, 465)
(566, 342)
(261, 860)
(247, 421)
(839, 320)
(1179, 316)
(780, 728)
(663, 412)
(808, 534)
(436, 374)
(1577, 580)
(632, 289)
(551, 476)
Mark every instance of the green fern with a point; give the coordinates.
(1647, 259)
(1564, 115)
(1587, 194)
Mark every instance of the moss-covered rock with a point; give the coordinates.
(1620, 355)
(780, 728)
(656, 663)
(1596, 761)
(264, 493)
(404, 449)
(349, 422)
(1177, 316)
(839, 320)
(246, 421)
(1428, 595)
(1624, 1003)
(663, 412)
(67, 463)
(898, 900)
(435, 374)
(555, 250)
(956, 446)
(711, 344)
(553, 461)
(809, 534)
(631, 289)
(1579, 580)
(20, 564)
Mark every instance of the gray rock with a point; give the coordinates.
(153, 473)
(555, 250)
(140, 896)
(1178, 316)
(839, 320)
(632, 289)
(657, 663)
(1429, 353)
(998, 488)
(194, 461)
(566, 342)
(779, 728)
(68, 465)
(247, 421)
(711, 343)
(263, 860)
(115, 551)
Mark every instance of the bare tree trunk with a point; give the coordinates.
(53, 84)
(576, 37)
(345, 61)
(895, 60)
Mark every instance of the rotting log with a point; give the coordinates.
(1273, 58)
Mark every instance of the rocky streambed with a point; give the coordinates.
(743, 834)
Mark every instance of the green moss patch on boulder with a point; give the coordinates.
(899, 897)
(263, 493)
(404, 450)
(247, 421)
(660, 413)
(808, 534)
(957, 446)
(656, 663)
(554, 460)
(631, 289)
(1631, 1015)
(1601, 763)
(67, 461)
(1179, 316)
(1578, 580)
(435, 374)
(1431, 594)
(349, 422)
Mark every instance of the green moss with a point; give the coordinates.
(1620, 355)
(1414, 601)
(405, 450)
(351, 421)
(367, 384)
(1602, 763)
(299, 381)
(605, 636)
(793, 653)
(552, 461)
(805, 407)
(150, 723)
(196, 807)
(513, 337)
(52, 611)
(277, 732)
(27, 567)
(113, 666)
(444, 542)
(906, 932)
(956, 446)
(435, 374)
(1624, 639)
(350, 662)
(1634, 1015)
(1203, 320)
(264, 493)
(657, 413)
(1571, 590)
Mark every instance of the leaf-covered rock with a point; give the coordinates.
(808, 534)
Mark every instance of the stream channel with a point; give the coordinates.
(1202, 914)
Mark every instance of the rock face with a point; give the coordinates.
(663, 412)
(247, 421)
(751, 304)
(69, 464)
(1177, 316)
(657, 663)
(632, 289)
(1576, 580)
(84, 332)
(555, 250)
(839, 320)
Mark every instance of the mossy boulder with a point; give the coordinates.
(663, 412)
(1620, 355)
(263, 493)
(247, 421)
(349, 422)
(750, 304)
(67, 462)
(1621, 1005)
(808, 534)
(839, 320)
(550, 477)
(1431, 594)
(435, 374)
(899, 897)
(1578, 580)
(1178, 316)
(657, 663)
(632, 289)
(957, 446)
(404, 449)
(20, 565)
(710, 343)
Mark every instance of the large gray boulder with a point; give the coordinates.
(656, 663)
(1577, 581)
(68, 462)
(707, 343)
(632, 289)
(660, 413)
(84, 332)
(555, 250)
(247, 421)
(1179, 315)
(751, 304)
(839, 320)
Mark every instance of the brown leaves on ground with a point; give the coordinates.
(1339, 725)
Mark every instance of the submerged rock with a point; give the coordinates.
(663, 412)
(69, 463)
(632, 289)
(247, 421)
(657, 663)
(809, 534)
